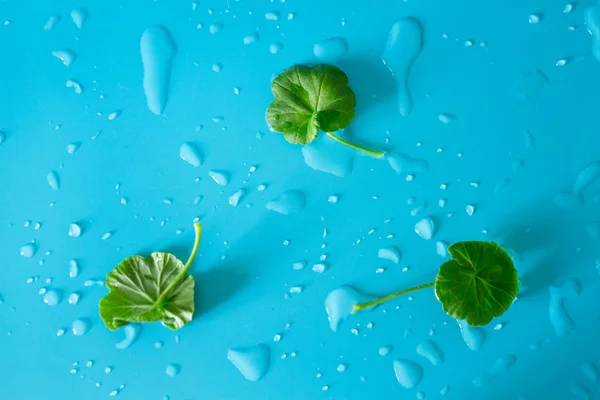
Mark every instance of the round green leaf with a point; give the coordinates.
(308, 99)
(478, 284)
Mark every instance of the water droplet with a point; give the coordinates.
(584, 178)
(431, 352)
(568, 8)
(66, 56)
(79, 16)
(249, 39)
(74, 84)
(252, 362)
(404, 164)
(425, 228)
(390, 253)
(330, 50)
(403, 45)
(420, 395)
(80, 327)
(444, 390)
(52, 297)
(275, 48)
(28, 250)
(325, 388)
(132, 331)
(341, 367)
(502, 365)
(75, 230)
(384, 351)
(158, 50)
(188, 152)
(107, 235)
(272, 16)
(215, 28)
(277, 337)
(535, 18)
(339, 305)
(53, 180)
(319, 268)
(60, 332)
(113, 115)
(408, 373)
(74, 298)
(446, 118)
(172, 370)
(298, 265)
(470, 209)
(72, 147)
(220, 177)
(441, 248)
(236, 197)
(289, 202)
(473, 337)
(562, 62)
(52, 21)
(73, 268)
(93, 282)
(561, 321)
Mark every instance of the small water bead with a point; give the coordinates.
(425, 228)
(220, 177)
(407, 373)
(217, 67)
(252, 362)
(296, 289)
(42, 291)
(66, 56)
(73, 371)
(333, 199)
(73, 268)
(52, 21)
(75, 230)
(74, 298)
(441, 248)
(272, 16)
(107, 235)
(215, 28)
(28, 250)
(275, 48)
(188, 152)
(380, 270)
(172, 370)
(53, 180)
(93, 282)
(341, 367)
(89, 363)
(384, 351)
(470, 209)
(277, 338)
(75, 85)
(60, 332)
(535, 18)
(442, 202)
(446, 118)
(319, 268)
(430, 351)
(52, 297)
(284, 356)
(113, 115)
(236, 90)
(568, 8)
(291, 16)
(330, 50)
(236, 197)
(73, 147)
(562, 62)
(80, 327)
(354, 331)
(79, 16)
(249, 39)
(325, 388)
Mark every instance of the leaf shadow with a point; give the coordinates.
(540, 276)
(214, 286)
(370, 80)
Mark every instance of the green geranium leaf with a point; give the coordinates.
(151, 289)
(308, 99)
(478, 284)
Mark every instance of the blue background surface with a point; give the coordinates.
(240, 299)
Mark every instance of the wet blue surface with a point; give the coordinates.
(498, 122)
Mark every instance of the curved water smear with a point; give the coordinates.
(158, 49)
(402, 48)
